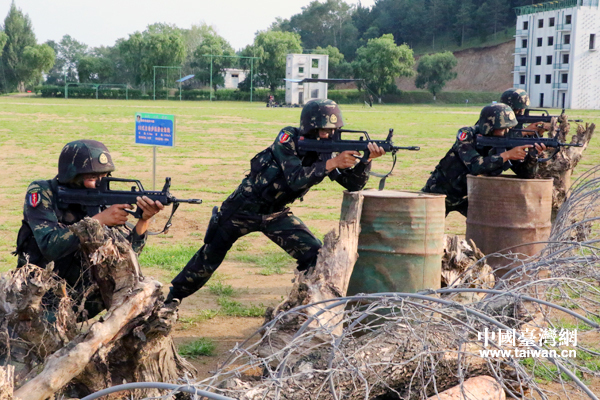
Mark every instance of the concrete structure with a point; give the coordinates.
(556, 53)
(301, 66)
(233, 77)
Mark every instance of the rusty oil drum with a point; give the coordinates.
(507, 212)
(401, 242)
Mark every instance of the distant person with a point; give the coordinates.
(278, 176)
(45, 235)
(464, 158)
(518, 101)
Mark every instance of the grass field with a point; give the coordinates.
(214, 143)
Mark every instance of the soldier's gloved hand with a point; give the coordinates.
(149, 208)
(113, 215)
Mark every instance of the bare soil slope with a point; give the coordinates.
(487, 69)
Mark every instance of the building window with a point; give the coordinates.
(592, 41)
(567, 19)
(537, 79)
(300, 70)
(314, 94)
(522, 79)
(524, 43)
(234, 75)
(548, 78)
(315, 76)
(539, 42)
(565, 58)
(523, 61)
(540, 23)
(567, 39)
(551, 21)
(564, 78)
(538, 60)
(315, 63)
(548, 60)
(525, 25)
(550, 40)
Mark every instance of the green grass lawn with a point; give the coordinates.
(214, 143)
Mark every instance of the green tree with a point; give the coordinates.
(208, 42)
(23, 60)
(68, 52)
(94, 69)
(338, 67)
(435, 70)
(159, 44)
(323, 24)
(464, 21)
(381, 61)
(272, 47)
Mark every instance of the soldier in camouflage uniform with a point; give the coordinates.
(450, 175)
(278, 176)
(45, 235)
(518, 101)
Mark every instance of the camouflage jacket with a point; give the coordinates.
(464, 158)
(45, 235)
(279, 175)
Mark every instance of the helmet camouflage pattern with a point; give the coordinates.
(516, 99)
(320, 114)
(83, 157)
(495, 116)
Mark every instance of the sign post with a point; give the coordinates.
(155, 130)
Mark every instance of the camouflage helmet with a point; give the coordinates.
(83, 157)
(495, 116)
(517, 99)
(320, 114)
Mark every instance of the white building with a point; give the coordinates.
(301, 66)
(233, 77)
(556, 53)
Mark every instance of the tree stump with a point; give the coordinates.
(560, 168)
(129, 343)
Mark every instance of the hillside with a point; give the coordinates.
(484, 69)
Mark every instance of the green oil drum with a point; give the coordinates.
(401, 242)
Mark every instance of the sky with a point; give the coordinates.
(102, 22)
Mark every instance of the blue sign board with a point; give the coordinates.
(155, 129)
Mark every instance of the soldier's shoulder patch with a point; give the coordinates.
(33, 198)
(462, 135)
(284, 137)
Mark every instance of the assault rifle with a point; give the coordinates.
(103, 195)
(504, 143)
(527, 118)
(338, 145)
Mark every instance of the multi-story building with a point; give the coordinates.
(556, 53)
(301, 66)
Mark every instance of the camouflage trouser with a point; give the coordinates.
(283, 228)
(453, 203)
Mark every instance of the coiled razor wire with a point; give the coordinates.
(416, 345)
